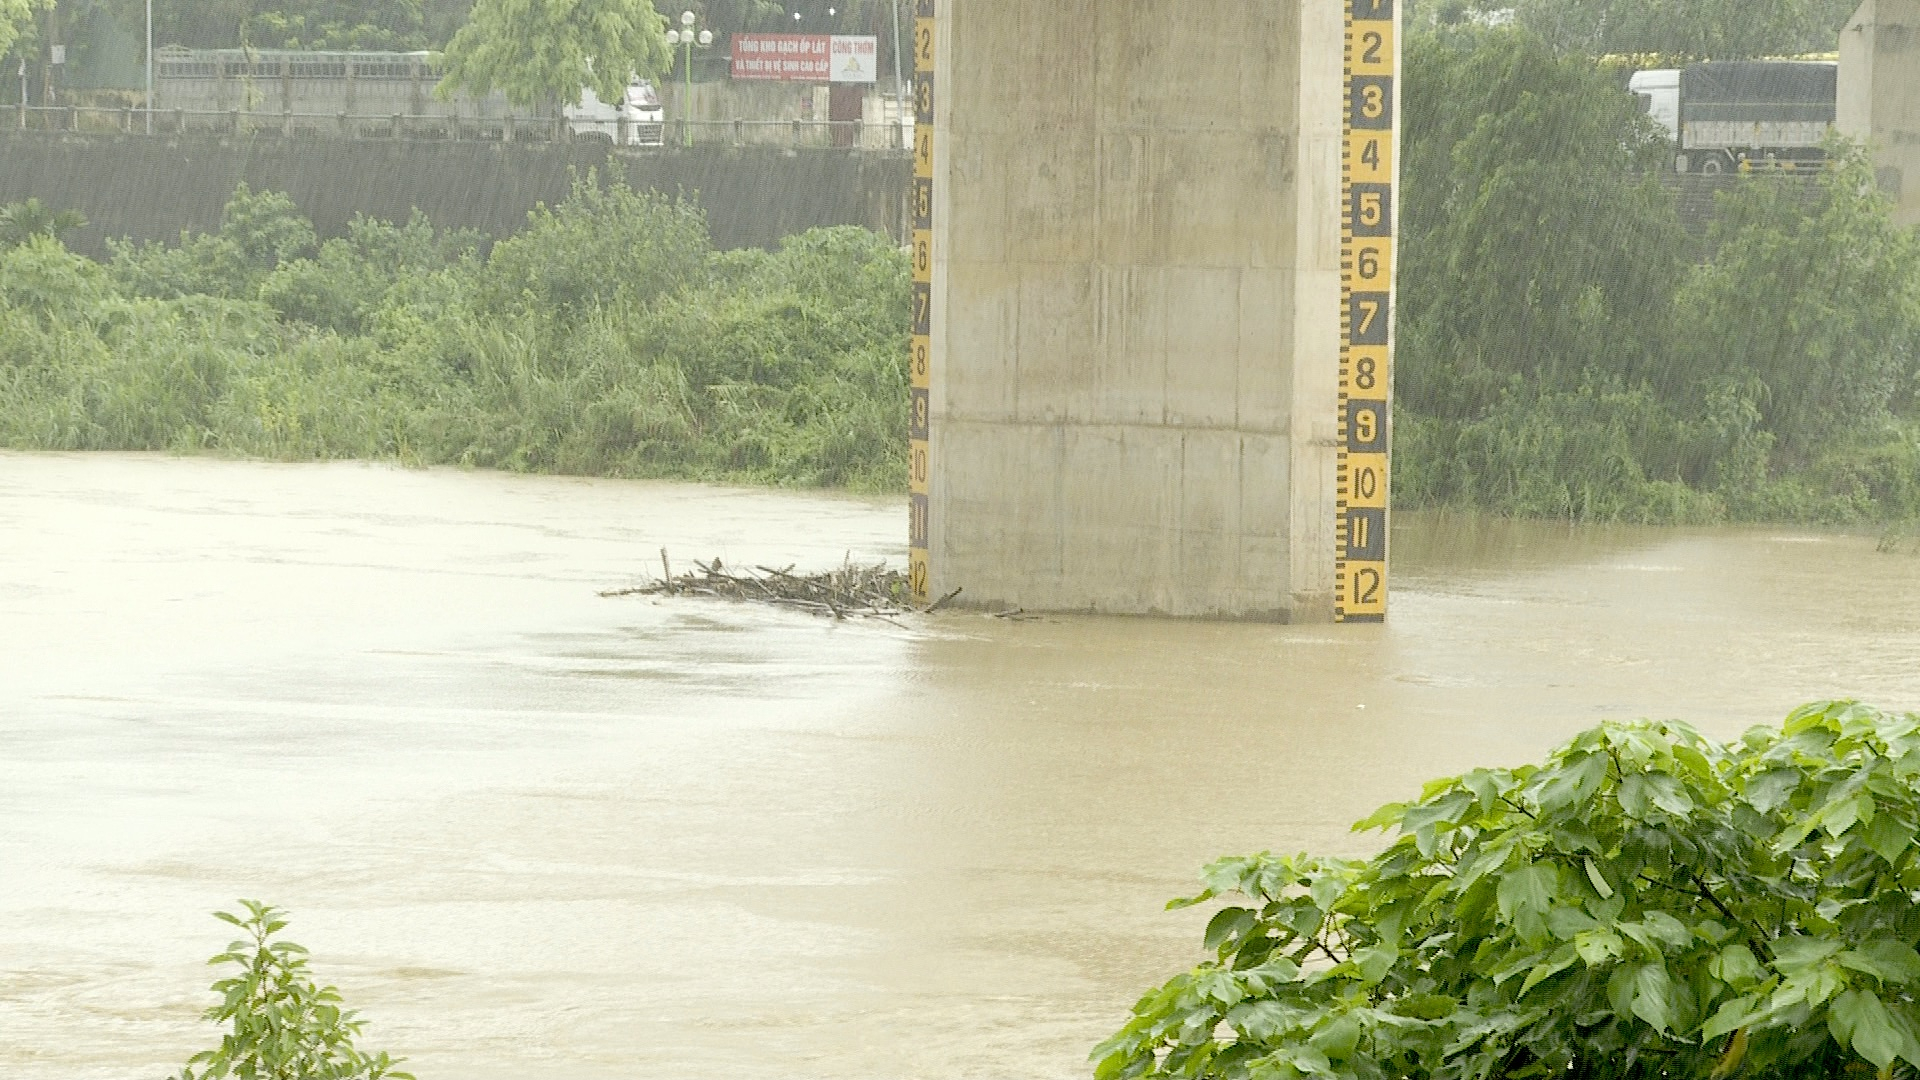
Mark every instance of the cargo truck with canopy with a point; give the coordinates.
(1753, 114)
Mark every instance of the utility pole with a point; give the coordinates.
(56, 56)
(899, 85)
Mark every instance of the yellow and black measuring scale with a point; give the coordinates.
(1367, 184)
(920, 373)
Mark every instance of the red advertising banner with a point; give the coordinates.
(783, 57)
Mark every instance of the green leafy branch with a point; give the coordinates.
(282, 1025)
(1647, 903)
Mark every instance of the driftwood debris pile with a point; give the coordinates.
(853, 591)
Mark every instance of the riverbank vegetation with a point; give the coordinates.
(1646, 904)
(1568, 347)
(609, 338)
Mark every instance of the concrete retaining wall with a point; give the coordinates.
(151, 188)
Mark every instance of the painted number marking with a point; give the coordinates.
(1372, 209)
(1369, 588)
(1366, 483)
(1372, 108)
(1367, 315)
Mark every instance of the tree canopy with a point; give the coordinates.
(398, 25)
(1647, 904)
(16, 17)
(1537, 238)
(1813, 297)
(544, 51)
(431, 24)
(1675, 29)
(280, 1023)
(1569, 349)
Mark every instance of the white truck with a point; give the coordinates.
(645, 118)
(1742, 115)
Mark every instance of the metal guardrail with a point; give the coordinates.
(790, 134)
(841, 134)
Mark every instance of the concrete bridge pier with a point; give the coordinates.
(1880, 95)
(1136, 332)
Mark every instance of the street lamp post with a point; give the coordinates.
(686, 37)
(149, 67)
(903, 129)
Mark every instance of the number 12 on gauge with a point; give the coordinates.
(1368, 177)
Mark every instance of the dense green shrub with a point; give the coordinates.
(345, 286)
(1646, 904)
(1567, 350)
(1821, 308)
(31, 219)
(1592, 454)
(257, 234)
(610, 246)
(607, 339)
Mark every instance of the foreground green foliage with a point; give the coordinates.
(1647, 903)
(609, 338)
(281, 1025)
(1569, 350)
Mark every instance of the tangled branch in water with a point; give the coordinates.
(852, 591)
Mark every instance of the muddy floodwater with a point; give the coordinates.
(536, 833)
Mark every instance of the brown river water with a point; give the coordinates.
(533, 832)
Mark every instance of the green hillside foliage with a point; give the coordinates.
(1568, 350)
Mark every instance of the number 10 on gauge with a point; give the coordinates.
(1368, 181)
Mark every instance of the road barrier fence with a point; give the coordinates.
(795, 134)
